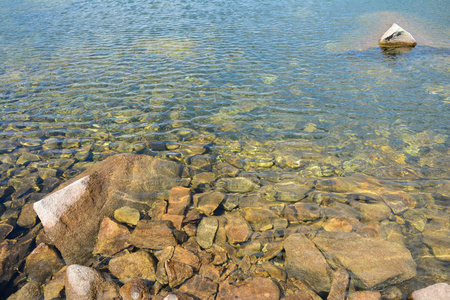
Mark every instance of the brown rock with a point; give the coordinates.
(153, 235)
(306, 263)
(112, 238)
(396, 201)
(304, 295)
(374, 263)
(260, 219)
(177, 272)
(72, 214)
(30, 291)
(206, 231)
(128, 215)
(54, 288)
(256, 288)
(210, 271)
(179, 200)
(42, 262)
(186, 257)
(177, 220)
(82, 283)
(437, 236)
(237, 230)
(5, 229)
(307, 211)
(135, 290)
(364, 295)
(27, 217)
(274, 271)
(200, 287)
(339, 224)
(108, 290)
(339, 285)
(373, 211)
(190, 229)
(207, 202)
(133, 265)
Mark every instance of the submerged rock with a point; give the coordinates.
(112, 237)
(153, 235)
(128, 215)
(135, 290)
(256, 288)
(43, 262)
(438, 291)
(82, 283)
(397, 37)
(374, 263)
(306, 263)
(437, 236)
(71, 215)
(133, 265)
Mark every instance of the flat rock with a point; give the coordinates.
(260, 219)
(396, 36)
(339, 284)
(436, 235)
(112, 238)
(364, 295)
(30, 291)
(72, 215)
(127, 215)
(179, 200)
(200, 287)
(43, 262)
(154, 235)
(186, 257)
(237, 230)
(108, 290)
(177, 272)
(133, 265)
(206, 231)
(82, 283)
(255, 288)
(307, 211)
(55, 287)
(27, 217)
(374, 263)
(208, 202)
(236, 185)
(438, 291)
(306, 263)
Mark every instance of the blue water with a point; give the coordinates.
(255, 81)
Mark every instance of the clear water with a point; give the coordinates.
(253, 80)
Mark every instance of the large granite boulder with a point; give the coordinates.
(373, 263)
(71, 216)
(305, 262)
(396, 37)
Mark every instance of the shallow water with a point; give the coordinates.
(276, 88)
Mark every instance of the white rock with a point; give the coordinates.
(82, 282)
(397, 37)
(51, 208)
(438, 291)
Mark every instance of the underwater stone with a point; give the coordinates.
(153, 235)
(82, 282)
(206, 232)
(135, 290)
(237, 230)
(236, 185)
(43, 262)
(208, 202)
(128, 215)
(438, 291)
(133, 265)
(437, 236)
(256, 288)
(200, 287)
(112, 237)
(396, 36)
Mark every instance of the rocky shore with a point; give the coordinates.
(140, 227)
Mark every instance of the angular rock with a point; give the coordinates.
(179, 200)
(154, 235)
(128, 215)
(339, 285)
(135, 290)
(72, 215)
(43, 262)
(6, 228)
(307, 211)
(54, 288)
(340, 224)
(255, 288)
(437, 236)
(133, 265)
(237, 230)
(199, 287)
(374, 263)
(30, 291)
(207, 202)
(260, 219)
(108, 290)
(306, 263)
(82, 283)
(186, 257)
(396, 201)
(177, 220)
(112, 238)
(438, 291)
(373, 211)
(177, 272)
(416, 218)
(206, 232)
(396, 36)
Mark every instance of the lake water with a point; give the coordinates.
(275, 88)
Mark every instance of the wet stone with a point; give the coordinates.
(339, 224)
(54, 289)
(206, 231)
(133, 265)
(203, 181)
(339, 284)
(307, 211)
(135, 290)
(30, 291)
(396, 201)
(127, 215)
(108, 290)
(237, 230)
(236, 185)
(82, 283)
(179, 199)
(208, 202)
(256, 288)
(6, 227)
(231, 202)
(200, 287)
(373, 211)
(112, 237)
(260, 219)
(43, 262)
(186, 257)
(364, 295)
(27, 158)
(153, 235)
(416, 218)
(27, 217)
(177, 272)
(437, 236)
